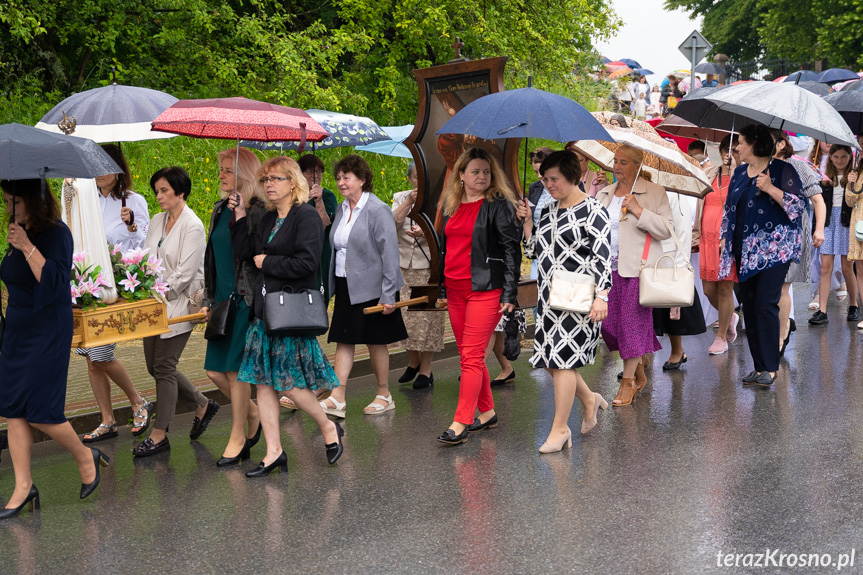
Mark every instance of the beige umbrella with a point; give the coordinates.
(663, 160)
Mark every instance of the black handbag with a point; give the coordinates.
(221, 319)
(303, 313)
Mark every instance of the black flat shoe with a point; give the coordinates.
(793, 324)
(409, 374)
(620, 376)
(335, 450)
(280, 463)
(148, 447)
(853, 313)
(450, 438)
(32, 498)
(670, 365)
(764, 379)
(99, 460)
(242, 456)
(423, 381)
(199, 424)
(253, 441)
(818, 318)
(785, 344)
(750, 378)
(477, 425)
(506, 379)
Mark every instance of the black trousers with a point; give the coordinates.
(759, 296)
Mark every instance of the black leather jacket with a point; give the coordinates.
(495, 256)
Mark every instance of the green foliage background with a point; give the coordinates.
(353, 56)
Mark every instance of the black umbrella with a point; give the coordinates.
(709, 68)
(849, 104)
(817, 88)
(852, 86)
(28, 153)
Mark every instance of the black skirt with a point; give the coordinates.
(350, 325)
(691, 320)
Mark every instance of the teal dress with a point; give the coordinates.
(226, 354)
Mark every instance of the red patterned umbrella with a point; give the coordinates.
(239, 119)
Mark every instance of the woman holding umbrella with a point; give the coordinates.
(637, 209)
(227, 276)
(34, 357)
(760, 239)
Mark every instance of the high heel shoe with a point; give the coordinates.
(557, 446)
(32, 498)
(280, 463)
(253, 441)
(242, 456)
(626, 393)
(99, 459)
(640, 377)
(335, 450)
(598, 403)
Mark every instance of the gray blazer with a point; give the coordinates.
(372, 262)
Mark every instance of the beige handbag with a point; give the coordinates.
(665, 287)
(570, 291)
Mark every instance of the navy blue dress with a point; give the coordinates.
(34, 359)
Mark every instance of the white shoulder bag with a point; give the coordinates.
(570, 291)
(666, 287)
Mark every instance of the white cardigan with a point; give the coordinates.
(182, 255)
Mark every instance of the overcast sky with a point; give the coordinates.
(650, 35)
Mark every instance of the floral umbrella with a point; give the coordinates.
(667, 165)
(344, 129)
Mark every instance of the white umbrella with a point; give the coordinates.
(786, 107)
(663, 160)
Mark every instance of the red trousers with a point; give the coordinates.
(473, 315)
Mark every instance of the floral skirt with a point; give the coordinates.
(285, 362)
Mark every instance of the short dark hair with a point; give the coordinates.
(725, 144)
(177, 178)
(311, 162)
(565, 161)
(696, 146)
(124, 179)
(758, 136)
(781, 136)
(42, 211)
(540, 154)
(357, 166)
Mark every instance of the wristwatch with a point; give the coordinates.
(602, 297)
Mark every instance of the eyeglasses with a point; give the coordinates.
(266, 179)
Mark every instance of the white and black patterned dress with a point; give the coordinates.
(568, 340)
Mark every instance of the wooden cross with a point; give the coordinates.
(457, 46)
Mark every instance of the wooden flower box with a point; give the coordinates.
(122, 321)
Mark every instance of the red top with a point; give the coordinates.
(459, 237)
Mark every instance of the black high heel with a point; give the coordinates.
(243, 456)
(253, 441)
(280, 463)
(99, 459)
(335, 450)
(32, 498)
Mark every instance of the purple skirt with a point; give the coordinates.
(628, 329)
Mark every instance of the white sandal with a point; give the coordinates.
(841, 294)
(337, 411)
(377, 408)
(814, 304)
(287, 403)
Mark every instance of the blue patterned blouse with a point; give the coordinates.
(771, 232)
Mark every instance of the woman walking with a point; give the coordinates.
(638, 212)
(34, 358)
(479, 270)
(573, 235)
(286, 249)
(228, 277)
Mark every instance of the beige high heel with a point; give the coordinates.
(557, 446)
(598, 403)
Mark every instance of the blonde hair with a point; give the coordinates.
(291, 170)
(454, 192)
(246, 177)
(636, 156)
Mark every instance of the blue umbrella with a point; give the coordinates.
(836, 75)
(642, 71)
(630, 62)
(526, 113)
(804, 75)
(393, 146)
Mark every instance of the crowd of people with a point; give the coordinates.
(276, 229)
